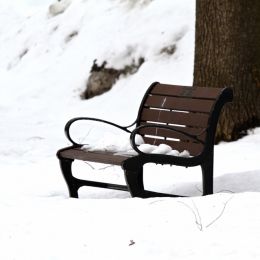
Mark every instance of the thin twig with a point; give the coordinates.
(156, 201)
(103, 168)
(92, 167)
(198, 214)
(221, 213)
(229, 191)
(81, 139)
(197, 219)
(196, 187)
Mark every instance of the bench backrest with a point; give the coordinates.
(194, 110)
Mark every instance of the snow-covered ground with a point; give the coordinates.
(44, 64)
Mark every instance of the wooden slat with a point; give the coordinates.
(100, 157)
(174, 117)
(183, 104)
(182, 91)
(169, 134)
(193, 148)
(189, 130)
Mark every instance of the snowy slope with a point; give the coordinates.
(44, 65)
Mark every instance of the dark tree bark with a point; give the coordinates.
(227, 53)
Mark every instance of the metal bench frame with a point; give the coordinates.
(182, 102)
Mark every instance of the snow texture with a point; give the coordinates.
(43, 70)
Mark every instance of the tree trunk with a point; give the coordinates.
(227, 53)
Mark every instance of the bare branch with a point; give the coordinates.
(221, 213)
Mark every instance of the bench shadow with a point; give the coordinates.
(246, 181)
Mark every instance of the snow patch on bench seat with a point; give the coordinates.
(120, 145)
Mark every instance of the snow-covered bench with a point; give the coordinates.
(181, 120)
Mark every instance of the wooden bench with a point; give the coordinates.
(183, 117)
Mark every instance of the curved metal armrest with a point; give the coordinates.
(167, 127)
(73, 120)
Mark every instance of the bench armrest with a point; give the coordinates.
(73, 120)
(167, 127)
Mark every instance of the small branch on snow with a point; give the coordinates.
(103, 168)
(221, 213)
(227, 191)
(92, 167)
(195, 213)
(198, 220)
(131, 242)
(196, 187)
(156, 201)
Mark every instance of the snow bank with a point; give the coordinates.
(47, 66)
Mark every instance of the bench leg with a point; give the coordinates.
(207, 177)
(73, 186)
(134, 181)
